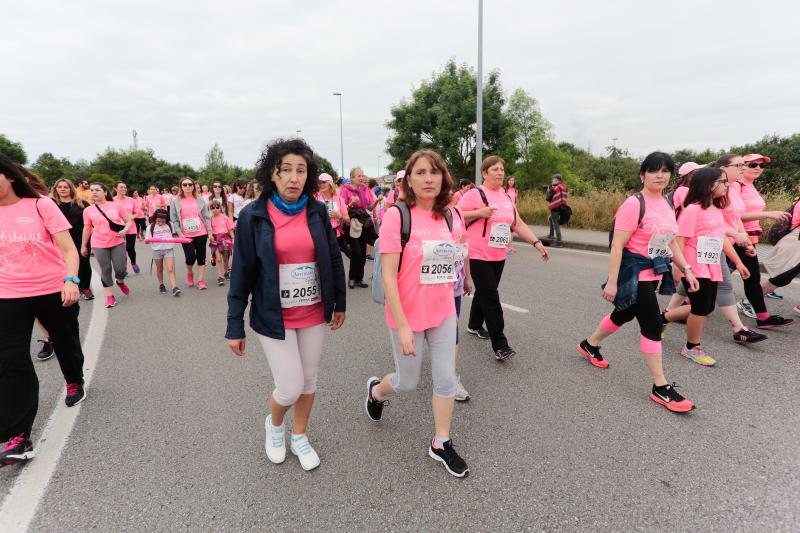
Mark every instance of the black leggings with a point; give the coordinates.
(195, 251)
(646, 311)
(19, 385)
(343, 245)
(752, 285)
(486, 300)
(130, 246)
(782, 280)
(358, 257)
(704, 300)
(141, 223)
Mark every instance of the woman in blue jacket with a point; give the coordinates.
(288, 260)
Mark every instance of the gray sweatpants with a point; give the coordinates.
(442, 347)
(725, 294)
(108, 257)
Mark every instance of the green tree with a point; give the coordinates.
(13, 150)
(529, 128)
(105, 179)
(326, 166)
(441, 116)
(51, 168)
(215, 168)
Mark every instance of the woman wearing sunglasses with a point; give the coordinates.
(754, 165)
(190, 218)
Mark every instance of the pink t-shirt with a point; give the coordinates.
(334, 204)
(30, 262)
(293, 245)
(168, 198)
(139, 212)
(426, 306)
(679, 197)
(708, 227)
(512, 193)
(733, 212)
(154, 202)
(652, 237)
(796, 216)
(192, 223)
(753, 203)
(221, 224)
(130, 207)
(489, 247)
(457, 197)
(205, 195)
(102, 235)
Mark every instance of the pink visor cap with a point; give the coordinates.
(325, 177)
(749, 158)
(691, 166)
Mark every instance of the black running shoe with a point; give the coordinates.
(774, 321)
(592, 354)
(447, 455)
(47, 350)
(504, 353)
(16, 450)
(374, 407)
(480, 333)
(162, 289)
(75, 394)
(220, 281)
(745, 336)
(361, 285)
(176, 291)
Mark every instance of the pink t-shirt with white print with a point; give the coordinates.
(706, 226)
(734, 210)
(488, 245)
(130, 207)
(192, 224)
(425, 305)
(753, 203)
(651, 238)
(31, 264)
(102, 235)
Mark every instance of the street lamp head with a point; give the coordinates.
(337, 94)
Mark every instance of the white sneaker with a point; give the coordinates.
(461, 393)
(746, 309)
(300, 446)
(275, 442)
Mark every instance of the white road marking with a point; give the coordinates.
(507, 306)
(19, 507)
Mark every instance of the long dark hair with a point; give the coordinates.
(109, 198)
(701, 189)
(14, 174)
(442, 200)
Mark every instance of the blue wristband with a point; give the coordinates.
(74, 279)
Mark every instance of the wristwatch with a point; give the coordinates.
(74, 279)
(686, 268)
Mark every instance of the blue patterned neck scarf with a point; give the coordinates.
(287, 208)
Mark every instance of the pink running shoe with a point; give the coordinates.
(201, 285)
(16, 450)
(190, 279)
(111, 301)
(124, 288)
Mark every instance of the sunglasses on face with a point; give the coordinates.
(217, 186)
(757, 165)
(215, 207)
(187, 184)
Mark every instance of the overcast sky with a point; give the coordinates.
(80, 75)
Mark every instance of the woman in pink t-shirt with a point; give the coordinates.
(153, 202)
(418, 286)
(190, 218)
(329, 195)
(222, 228)
(289, 271)
(121, 197)
(701, 236)
(638, 247)
(753, 167)
(108, 244)
(489, 227)
(138, 214)
(511, 189)
(38, 280)
(359, 200)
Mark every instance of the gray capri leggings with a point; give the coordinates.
(442, 347)
(725, 295)
(108, 257)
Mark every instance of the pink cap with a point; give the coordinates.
(748, 158)
(400, 175)
(690, 166)
(325, 177)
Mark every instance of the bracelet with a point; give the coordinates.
(537, 242)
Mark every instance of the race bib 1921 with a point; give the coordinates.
(709, 250)
(658, 246)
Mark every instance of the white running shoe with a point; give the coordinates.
(746, 309)
(275, 442)
(461, 393)
(300, 446)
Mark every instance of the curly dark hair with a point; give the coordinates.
(272, 156)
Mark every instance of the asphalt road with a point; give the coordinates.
(171, 435)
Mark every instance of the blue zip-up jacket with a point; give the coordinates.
(628, 277)
(255, 270)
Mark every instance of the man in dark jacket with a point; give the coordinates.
(557, 196)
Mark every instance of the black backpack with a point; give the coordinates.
(639, 196)
(486, 220)
(781, 228)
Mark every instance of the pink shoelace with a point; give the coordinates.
(14, 442)
(72, 389)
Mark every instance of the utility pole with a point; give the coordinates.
(135, 139)
(341, 130)
(479, 111)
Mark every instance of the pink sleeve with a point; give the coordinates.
(87, 220)
(687, 221)
(229, 223)
(470, 201)
(344, 195)
(342, 206)
(54, 219)
(796, 215)
(390, 232)
(627, 217)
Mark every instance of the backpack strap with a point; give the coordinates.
(486, 203)
(405, 227)
(639, 196)
(448, 217)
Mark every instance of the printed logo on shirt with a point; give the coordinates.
(304, 272)
(24, 220)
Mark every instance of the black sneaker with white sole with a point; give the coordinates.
(480, 333)
(47, 350)
(162, 289)
(373, 406)
(504, 353)
(447, 455)
(75, 394)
